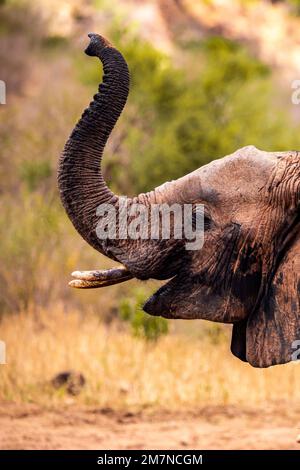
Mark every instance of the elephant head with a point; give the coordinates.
(246, 273)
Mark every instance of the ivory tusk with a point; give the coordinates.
(99, 278)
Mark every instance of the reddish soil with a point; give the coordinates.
(33, 427)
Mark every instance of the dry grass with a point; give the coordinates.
(178, 371)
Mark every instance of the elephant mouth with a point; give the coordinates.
(159, 303)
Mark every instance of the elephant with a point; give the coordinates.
(247, 272)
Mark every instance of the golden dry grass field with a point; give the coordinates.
(179, 392)
(125, 372)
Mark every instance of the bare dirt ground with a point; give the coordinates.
(33, 427)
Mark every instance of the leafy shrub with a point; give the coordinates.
(142, 325)
(216, 112)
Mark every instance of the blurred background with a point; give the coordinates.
(208, 77)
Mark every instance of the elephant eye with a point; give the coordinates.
(207, 222)
(197, 219)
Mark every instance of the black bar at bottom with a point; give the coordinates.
(136, 458)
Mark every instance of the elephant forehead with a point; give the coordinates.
(238, 176)
(244, 171)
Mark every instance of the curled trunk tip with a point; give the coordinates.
(96, 45)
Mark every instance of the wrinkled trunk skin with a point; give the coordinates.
(81, 183)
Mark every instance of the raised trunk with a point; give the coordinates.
(81, 183)
(82, 186)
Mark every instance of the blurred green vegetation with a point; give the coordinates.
(180, 115)
(142, 325)
(178, 119)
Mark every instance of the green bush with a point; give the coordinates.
(142, 325)
(229, 104)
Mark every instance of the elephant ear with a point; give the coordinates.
(271, 333)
